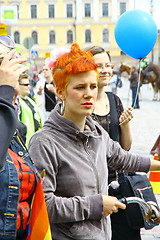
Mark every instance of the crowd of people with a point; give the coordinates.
(82, 141)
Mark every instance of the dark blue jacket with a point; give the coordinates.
(8, 120)
(9, 182)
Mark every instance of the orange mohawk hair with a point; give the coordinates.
(70, 63)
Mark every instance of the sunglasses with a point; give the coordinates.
(7, 41)
(25, 84)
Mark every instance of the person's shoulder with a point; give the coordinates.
(117, 99)
(109, 93)
(21, 100)
(39, 138)
(46, 133)
(119, 104)
(30, 99)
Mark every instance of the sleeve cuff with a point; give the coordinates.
(96, 207)
(144, 164)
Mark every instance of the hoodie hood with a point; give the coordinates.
(58, 123)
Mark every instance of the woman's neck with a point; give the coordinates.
(78, 121)
(102, 106)
(101, 94)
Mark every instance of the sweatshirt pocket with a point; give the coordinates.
(87, 230)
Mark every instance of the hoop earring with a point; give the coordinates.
(62, 107)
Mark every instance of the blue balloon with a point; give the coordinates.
(136, 33)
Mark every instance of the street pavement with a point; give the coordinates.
(145, 128)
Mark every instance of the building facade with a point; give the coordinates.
(55, 23)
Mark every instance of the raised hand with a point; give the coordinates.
(126, 116)
(11, 68)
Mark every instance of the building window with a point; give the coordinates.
(17, 11)
(69, 36)
(51, 10)
(69, 9)
(87, 10)
(105, 36)
(17, 37)
(33, 11)
(35, 37)
(122, 7)
(105, 10)
(52, 38)
(88, 36)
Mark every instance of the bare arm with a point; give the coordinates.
(40, 90)
(155, 165)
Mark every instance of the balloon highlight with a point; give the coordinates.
(136, 33)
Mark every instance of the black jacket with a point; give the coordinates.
(8, 120)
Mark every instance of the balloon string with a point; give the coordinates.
(137, 92)
(138, 87)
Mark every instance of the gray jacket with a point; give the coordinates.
(76, 166)
(134, 79)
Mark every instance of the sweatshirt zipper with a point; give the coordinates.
(85, 144)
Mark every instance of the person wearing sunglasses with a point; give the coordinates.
(17, 172)
(30, 113)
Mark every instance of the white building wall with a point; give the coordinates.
(78, 11)
(95, 10)
(114, 10)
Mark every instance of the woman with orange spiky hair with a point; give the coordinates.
(73, 62)
(76, 152)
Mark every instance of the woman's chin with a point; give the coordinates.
(88, 112)
(104, 82)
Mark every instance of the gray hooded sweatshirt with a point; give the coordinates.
(76, 166)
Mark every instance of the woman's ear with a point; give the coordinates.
(60, 94)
